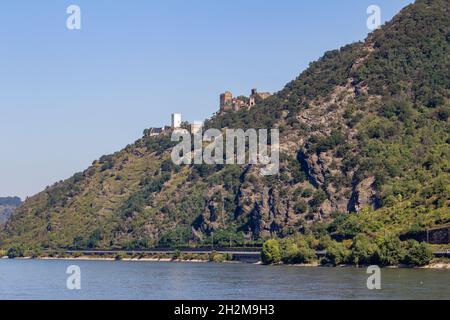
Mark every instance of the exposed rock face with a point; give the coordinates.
(5, 213)
(7, 207)
(364, 195)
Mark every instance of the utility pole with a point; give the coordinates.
(212, 240)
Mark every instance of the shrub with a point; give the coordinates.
(305, 254)
(176, 255)
(418, 254)
(364, 251)
(391, 251)
(301, 207)
(319, 197)
(397, 109)
(307, 193)
(289, 250)
(15, 252)
(119, 256)
(337, 253)
(271, 252)
(298, 251)
(77, 254)
(34, 253)
(218, 257)
(345, 226)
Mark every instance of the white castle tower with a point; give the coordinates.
(176, 120)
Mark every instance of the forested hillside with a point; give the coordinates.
(364, 138)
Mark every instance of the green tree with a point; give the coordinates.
(418, 254)
(337, 253)
(391, 251)
(16, 251)
(364, 251)
(271, 252)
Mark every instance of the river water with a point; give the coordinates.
(46, 279)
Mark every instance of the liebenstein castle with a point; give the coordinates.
(227, 103)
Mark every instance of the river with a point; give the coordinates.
(118, 280)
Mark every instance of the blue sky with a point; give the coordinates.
(68, 97)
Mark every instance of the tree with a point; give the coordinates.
(418, 254)
(391, 251)
(305, 253)
(337, 253)
(271, 252)
(345, 225)
(364, 251)
(15, 252)
(301, 207)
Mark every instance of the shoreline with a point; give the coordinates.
(436, 265)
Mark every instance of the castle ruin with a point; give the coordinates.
(230, 103)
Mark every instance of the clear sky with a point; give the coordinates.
(68, 97)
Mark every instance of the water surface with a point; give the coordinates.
(46, 279)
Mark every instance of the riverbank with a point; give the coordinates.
(438, 264)
(91, 258)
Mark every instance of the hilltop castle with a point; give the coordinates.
(228, 102)
(176, 124)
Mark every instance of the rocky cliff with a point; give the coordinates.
(7, 207)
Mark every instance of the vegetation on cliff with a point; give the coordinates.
(364, 138)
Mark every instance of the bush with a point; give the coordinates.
(289, 251)
(301, 207)
(271, 252)
(34, 253)
(337, 253)
(307, 193)
(345, 226)
(397, 109)
(77, 254)
(364, 251)
(218, 257)
(391, 251)
(15, 252)
(176, 255)
(298, 251)
(318, 198)
(228, 257)
(418, 254)
(119, 256)
(305, 254)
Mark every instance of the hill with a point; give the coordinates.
(364, 139)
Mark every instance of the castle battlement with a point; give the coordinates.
(230, 103)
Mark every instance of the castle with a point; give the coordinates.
(176, 123)
(228, 102)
